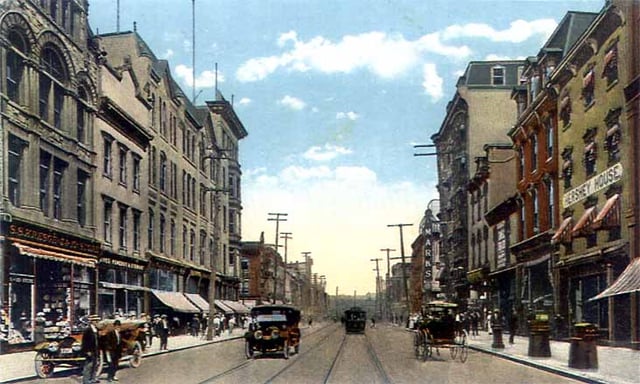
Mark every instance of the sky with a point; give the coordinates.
(334, 94)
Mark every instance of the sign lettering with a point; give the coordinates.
(593, 185)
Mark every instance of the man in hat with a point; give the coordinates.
(163, 332)
(91, 351)
(113, 349)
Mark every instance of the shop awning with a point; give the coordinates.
(249, 303)
(221, 306)
(55, 256)
(236, 306)
(627, 282)
(128, 287)
(176, 301)
(585, 221)
(198, 301)
(563, 231)
(609, 215)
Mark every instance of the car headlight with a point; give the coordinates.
(76, 347)
(53, 346)
(275, 334)
(257, 334)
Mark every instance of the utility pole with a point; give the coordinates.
(286, 236)
(404, 272)
(277, 217)
(387, 282)
(377, 286)
(306, 299)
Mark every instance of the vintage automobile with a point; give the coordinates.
(64, 349)
(273, 329)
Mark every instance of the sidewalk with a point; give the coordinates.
(20, 366)
(615, 365)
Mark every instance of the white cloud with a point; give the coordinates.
(292, 102)
(339, 214)
(245, 101)
(432, 83)
(385, 55)
(518, 31)
(328, 152)
(206, 79)
(168, 54)
(347, 115)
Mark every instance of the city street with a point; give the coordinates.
(327, 355)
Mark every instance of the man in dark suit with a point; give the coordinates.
(113, 349)
(163, 331)
(91, 351)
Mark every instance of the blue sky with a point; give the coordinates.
(334, 94)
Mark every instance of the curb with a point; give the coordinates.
(155, 353)
(533, 364)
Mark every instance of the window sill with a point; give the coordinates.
(612, 85)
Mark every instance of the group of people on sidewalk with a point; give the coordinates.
(92, 348)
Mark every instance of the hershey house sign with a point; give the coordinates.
(593, 185)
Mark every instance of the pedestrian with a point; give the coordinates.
(513, 324)
(113, 350)
(91, 350)
(195, 326)
(475, 319)
(373, 322)
(203, 326)
(310, 322)
(216, 325)
(163, 332)
(489, 321)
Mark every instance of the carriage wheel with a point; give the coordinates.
(136, 356)
(454, 351)
(464, 348)
(418, 345)
(44, 369)
(428, 346)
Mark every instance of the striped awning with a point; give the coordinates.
(222, 307)
(585, 221)
(563, 230)
(236, 306)
(627, 282)
(198, 301)
(55, 256)
(176, 301)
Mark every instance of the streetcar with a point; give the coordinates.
(355, 320)
(273, 329)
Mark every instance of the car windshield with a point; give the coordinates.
(272, 318)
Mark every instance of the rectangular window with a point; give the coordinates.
(81, 121)
(123, 227)
(15, 166)
(58, 104)
(43, 98)
(107, 221)
(106, 163)
(136, 230)
(136, 173)
(203, 241)
(81, 204)
(162, 230)
(185, 242)
(150, 230)
(58, 179)
(14, 75)
(45, 163)
(122, 163)
(497, 75)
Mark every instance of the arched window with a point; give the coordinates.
(15, 67)
(51, 93)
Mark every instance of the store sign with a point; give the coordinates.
(593, 185)
(121, 263)
(501, 246)
(32, 233)
(21, 279)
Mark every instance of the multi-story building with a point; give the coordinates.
(424, 259)
(595, 182)
(490, 188)
(479, 113)
(534, 136)
(49, 96)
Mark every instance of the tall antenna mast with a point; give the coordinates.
(216, 79)
(118, 16)
(193, 48)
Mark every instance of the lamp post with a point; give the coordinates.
(277, 217)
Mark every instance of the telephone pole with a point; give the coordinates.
(277, 217)
(286, 236)
(306, 295)
(387, 294)
(404, 271)
(377, 286)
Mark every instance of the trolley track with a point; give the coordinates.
(343, 366)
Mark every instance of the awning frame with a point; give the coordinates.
(627, 282)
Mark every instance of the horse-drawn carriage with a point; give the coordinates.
(64, 349)
(439, 329)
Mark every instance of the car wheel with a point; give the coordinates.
(248, 350)
(136, 356)
(285, 350)
(44, 369)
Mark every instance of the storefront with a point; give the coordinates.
(48, 272)
(120, 286)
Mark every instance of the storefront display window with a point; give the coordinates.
(16, 322)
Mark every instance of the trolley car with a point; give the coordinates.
(355, 320)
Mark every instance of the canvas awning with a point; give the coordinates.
(176, 301)
(610, 212)
(55, 256)
(236, 306)
(563, 230)
(222, 307)
(198, 301)
(585, 221)
(627, 282)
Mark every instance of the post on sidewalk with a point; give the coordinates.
(583, 351)
(496, 328)
(539, 330)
